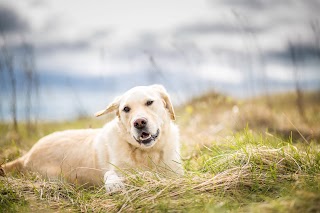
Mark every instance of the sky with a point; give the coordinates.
(101, 37)
(217, 44)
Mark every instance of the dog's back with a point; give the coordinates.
(68, 154)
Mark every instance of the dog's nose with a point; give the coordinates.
(140, 123)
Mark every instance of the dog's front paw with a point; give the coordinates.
(113, 182)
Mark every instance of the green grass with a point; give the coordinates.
(248, 171)
(11, 199)
(253, 169)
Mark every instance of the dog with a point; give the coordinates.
(141, 137)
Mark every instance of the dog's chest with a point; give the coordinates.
(146, 160)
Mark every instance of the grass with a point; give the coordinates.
(253, 169)
(11, 200)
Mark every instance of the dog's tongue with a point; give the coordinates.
(145, 135)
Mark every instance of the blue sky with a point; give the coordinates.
(213, 44)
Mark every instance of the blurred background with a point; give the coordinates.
(61, 60)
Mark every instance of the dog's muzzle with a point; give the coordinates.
(146, 138)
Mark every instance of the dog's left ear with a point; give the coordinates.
(114, 105)
(165, 97)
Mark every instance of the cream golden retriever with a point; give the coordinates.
(142, 136)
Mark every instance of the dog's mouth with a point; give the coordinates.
(146, 137)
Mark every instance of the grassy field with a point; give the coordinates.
(239, 156)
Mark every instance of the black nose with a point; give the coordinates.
(140, 123)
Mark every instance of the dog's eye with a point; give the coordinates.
(126, 109)
(149, 103)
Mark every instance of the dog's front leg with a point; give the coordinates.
(113, 182)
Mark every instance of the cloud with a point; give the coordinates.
(143, 45)
(64, 46)
(101, 33)
(215, 28)
(80, 44)
(11, 21)
(256, 5)
(220, 73)
(300, 51)
(260, 6)
(37, 3)
(313, 5)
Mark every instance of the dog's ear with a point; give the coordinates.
(114, 105)
(166, 99)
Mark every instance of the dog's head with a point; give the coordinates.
(143, 113)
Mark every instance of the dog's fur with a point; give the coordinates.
(87, 156)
